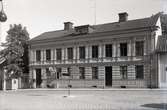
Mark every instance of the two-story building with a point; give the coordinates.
(118, 54)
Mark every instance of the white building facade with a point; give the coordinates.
(119, 54)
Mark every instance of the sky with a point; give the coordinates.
(49, 15)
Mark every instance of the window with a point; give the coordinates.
(48, 55)
(69, 71)
(58, 54)
(95, 51)
(94, 73)
(48, 73)
(70, 53)
(139, 48)
(58, 72)
(82, 52)
(108, 50)
(123, 49)
(123, 72)
(38, 55)
(139, 72)
(82, 72)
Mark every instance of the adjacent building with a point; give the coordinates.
(126, 53)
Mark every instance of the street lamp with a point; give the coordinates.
(3, 16)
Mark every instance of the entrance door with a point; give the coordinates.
(108, 75)
(38, 78)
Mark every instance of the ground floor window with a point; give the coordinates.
(58, 73)
(94, 72)
(139, 72)
(123, 72)
(48, 73)
(82, 72)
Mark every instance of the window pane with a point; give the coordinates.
(82, 52)
(94, 73)
(139, 48)
(108, 50)
(139, 72)
(82, 72)
(70, 53)
(38, 55)
(123, 72)
(123, 49)
(95, 51)
(58, 54)
(48, 55)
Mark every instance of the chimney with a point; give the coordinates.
(123, 17)
(68, 25)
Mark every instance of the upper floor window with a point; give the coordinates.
(70, 53)
(94, 73)
(139, 71)
(94, 51)
(82, 72)
(38, 55)
(48, 55)
(123, 49)
(82, 52)
(108, 49)
(58, 54)
(139, 48)
(123, 72)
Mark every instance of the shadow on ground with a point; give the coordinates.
(156, 105)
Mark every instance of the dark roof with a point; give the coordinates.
(162, 44)
(116, 26)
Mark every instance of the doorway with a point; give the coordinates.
(38, 78)
(108, 75)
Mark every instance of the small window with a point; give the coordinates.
(108, 50)
(94, 73)
(139, 72)
(82, 52)
(82, 72)
(38, 55)
(70, 53)
(48, 55)
(95, 51)
(123, 72)
(123, 49)
(139, 48)
(58, 54)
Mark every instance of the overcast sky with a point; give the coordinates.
(47, 15)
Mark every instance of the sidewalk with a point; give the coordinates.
(93, 89)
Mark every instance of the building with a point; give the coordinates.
(118, 54)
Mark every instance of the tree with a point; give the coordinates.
(16, 50)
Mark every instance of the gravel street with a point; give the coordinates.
(84, 100)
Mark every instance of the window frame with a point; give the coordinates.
(58, 54)
(70, 53)
(38, 55)
(139, 48)
(95, 51)
(82, 53)
(82, 72)
(108, 50)
(123, 49)
(95, 73)
(48, 54)
(139, 75)
(124, 72)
